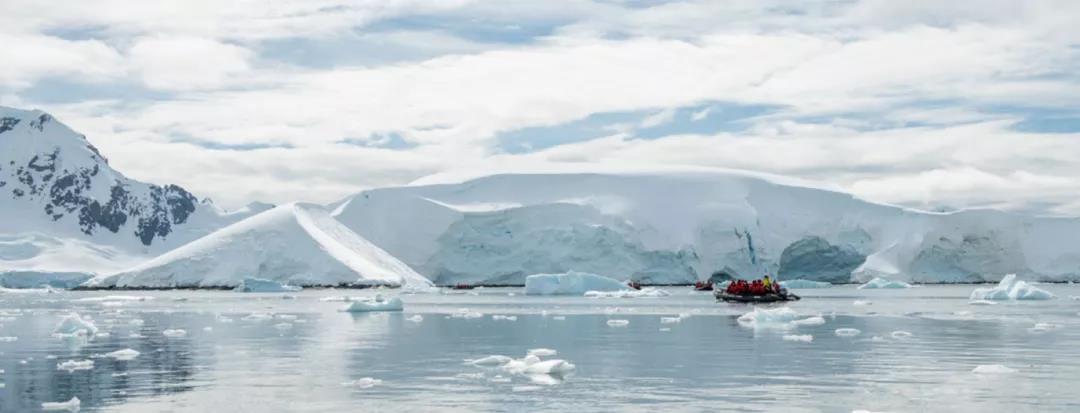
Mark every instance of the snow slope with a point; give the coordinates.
(66, 210)
(294, 244)
(684, 225)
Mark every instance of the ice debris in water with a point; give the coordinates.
(644, 292)
(618, 323)
(362, 383)
(504, 317)
(125, 354)
(861, 303)
(981, 302)
(416, 318)
(670, 320)
(71, 366)
(558, 317)
(1011, 289)
(799, 284)
(174, 333)
(8, 339)
(74, 325)
(72, 405)
(901, 335)
(283, 326)
(570, 283)
(531, 365)
(1042, 327)
(491, 361)
(847, 332)
(993, 369)
(884, 283)
(378, 303)
(805, 338)
(777, 318)
(542, 352)
(259, 285)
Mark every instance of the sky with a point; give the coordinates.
(930, 104)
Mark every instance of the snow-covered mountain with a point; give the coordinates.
(680, 226)
(296, 244)
(65, 209)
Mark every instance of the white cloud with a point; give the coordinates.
(186, 63)
(29, 57)
(658, 118)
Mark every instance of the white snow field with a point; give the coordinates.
(571, 283)
(293, 244)
(682, 225)
(1011, 288)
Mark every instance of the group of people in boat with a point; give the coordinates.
(756, 287)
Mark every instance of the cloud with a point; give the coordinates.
(28, 58)
(184, 63)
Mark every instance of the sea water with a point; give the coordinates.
(917, 349)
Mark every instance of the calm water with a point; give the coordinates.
(299, 353)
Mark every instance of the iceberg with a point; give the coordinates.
(259, 285)
(879, 282)
(72, 405)
(74, 325)
(782, 318)
(570, 283)
(376, 304)
(71, 366)
(800, 284)
(1010, 289)
(992, 369)
(362, 383)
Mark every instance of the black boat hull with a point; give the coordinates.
(755, 299)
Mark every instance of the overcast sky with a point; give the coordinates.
(932, 104)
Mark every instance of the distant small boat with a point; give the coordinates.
(634, 285)
(462, 286)
(749, 298)
(703, 286)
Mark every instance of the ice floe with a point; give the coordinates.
(125, 354)
(1011, 289)
(670, 320)
(901, 335)
(376, 304)
(362, 383)
(777, 318)
(861, 303)
(174, 333)
(628, 293)
(618, 323)
(415, 318)
(504, 317)
(801, 284)
(74, 325)
(72, 405)
(847, 332)
(805, 338)
(71, 366)
(993, 369)
(1042, 327)
(884, 283)
(259, 285)
(570, 283)
(542, 352)
(8, 339)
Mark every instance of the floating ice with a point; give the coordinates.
(993, 369)
(618, 323)
(71, 366)
(113, 298)
(504, 317)
(550, 367)
(416, 318)
(1011, 289)
(375, 304)
(570, 283)
(542, 352)
(884, 283)
(1042, 327)
(861, 303)
(981, 302)
(558, 317)
(805, 338)
(125, 354)
(847, 332)
(670, 320)
(644, 292)
(255, 317)
(74, 325)
(8, 339)
(283, 326)
(901, 335)
(259, 285)
(491, 361)
(72, 405)
(777, 318)
(800, 284)
(174, 333)
(362, 383)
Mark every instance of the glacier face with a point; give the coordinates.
(681, 226)
(55, 185)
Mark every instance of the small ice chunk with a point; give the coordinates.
(125, 354)
(1011, 289)
(1042, 327)
(993, 369)
(286, 317)
(805, 338)
(362, 383)
(416, 318)
(670, 320)
(884, 283)
(558, 317)
(542, 352)
(665, 329)
(554, 367)
(629, 293)
(375, 305)
(136, 322)
(810, 321)
(72, 405)
(71, 366)
(208, 329)
(495, 360)
(618, 323)
(499, 379)
(981, 302)
(847, 332)
(504, 317)
(283, 326)
(259, 285)
(74, 325)
(256, 317)
(901, 335)
(8, 339)
(174, 333)
(776, 318)
(520, 389)
(861, 303)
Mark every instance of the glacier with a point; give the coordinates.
(293, 244)
(680, 225)
(571, 283)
